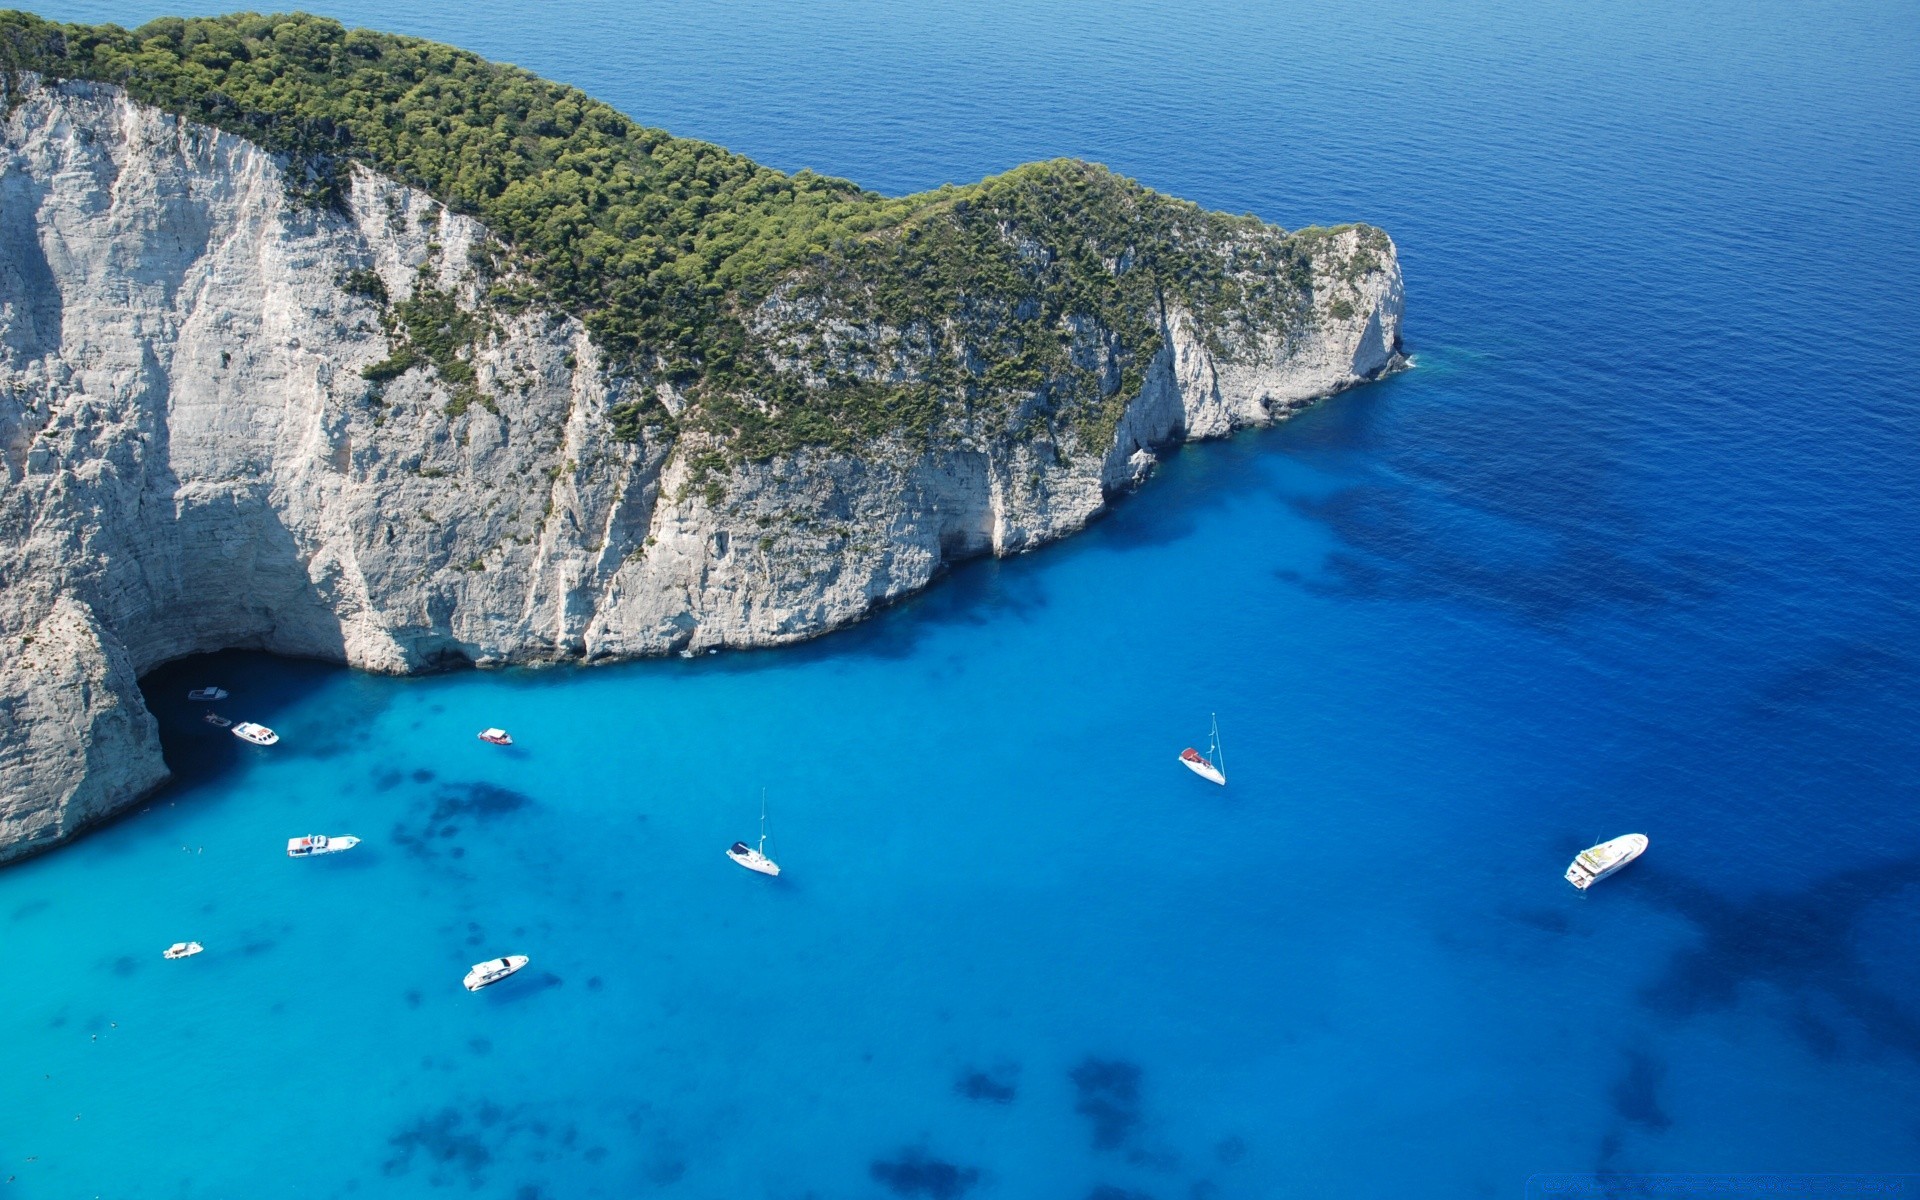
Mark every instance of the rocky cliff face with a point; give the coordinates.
(195, 460)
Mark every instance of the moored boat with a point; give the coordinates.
(1598, 862)
(1211, 766)
(182, 950)
(754, 858)
(216, 720)
(259, 735)
(207, 693)
(319, 843)
(498, 737)
(492, 971)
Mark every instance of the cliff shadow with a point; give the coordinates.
(260, 687)
(1194, 481)
(26, 277)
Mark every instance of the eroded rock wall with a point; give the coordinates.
(195, 460)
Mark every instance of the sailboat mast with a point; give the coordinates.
(763, 820)
(1219, 760)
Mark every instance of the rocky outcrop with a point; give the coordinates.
(196, 461)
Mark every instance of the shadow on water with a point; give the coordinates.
(1806, 944)
(260, 687)
(1195, 480)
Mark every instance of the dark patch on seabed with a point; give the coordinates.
(1636, 1093)
(994, 1087)
(1830, 669)
(1401, 543)
(915, 1173)
(453, 1144)
(439, 819)
(1803, 943)
(1108, 1096)
(443, 1139)
(480, 800)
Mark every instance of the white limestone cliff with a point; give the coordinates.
(195, 461)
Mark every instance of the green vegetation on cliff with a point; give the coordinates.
(1029, 300)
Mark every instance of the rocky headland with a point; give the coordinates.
(367, 428)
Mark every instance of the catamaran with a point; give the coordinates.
(207, 693)
(319, 843)
(1209, 766)
(493, 971)
(182, 950)
(1598, 862)
(755, 858)
(259, 735)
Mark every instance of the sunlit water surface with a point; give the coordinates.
(1632, 549)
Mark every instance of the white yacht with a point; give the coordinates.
(207, 693)
(1598, 862)
(754, 858)
(493, 971)
(1210, 766)
(319, 843)
(182, 950)
(259, 735)
(498, 737)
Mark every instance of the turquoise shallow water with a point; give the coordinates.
(1633, 548)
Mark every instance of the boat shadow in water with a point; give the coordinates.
(521, 987)
(1807, 945)
(261, 688)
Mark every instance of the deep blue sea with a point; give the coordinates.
(1635, 547)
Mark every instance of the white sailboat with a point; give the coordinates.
(1210, 766)
(754, 858)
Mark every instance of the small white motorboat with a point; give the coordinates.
(1210, 766)
(201, 695)
(319, 843)
(182, 950)
(493, 971)
(1597, 862)
(754, 858)
(498, 737)
(259, 735)
(216, 720)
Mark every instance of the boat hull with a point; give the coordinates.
(756, 862)
(1204, 770)
(316, 844)
(1597, 862)
(492, 971)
